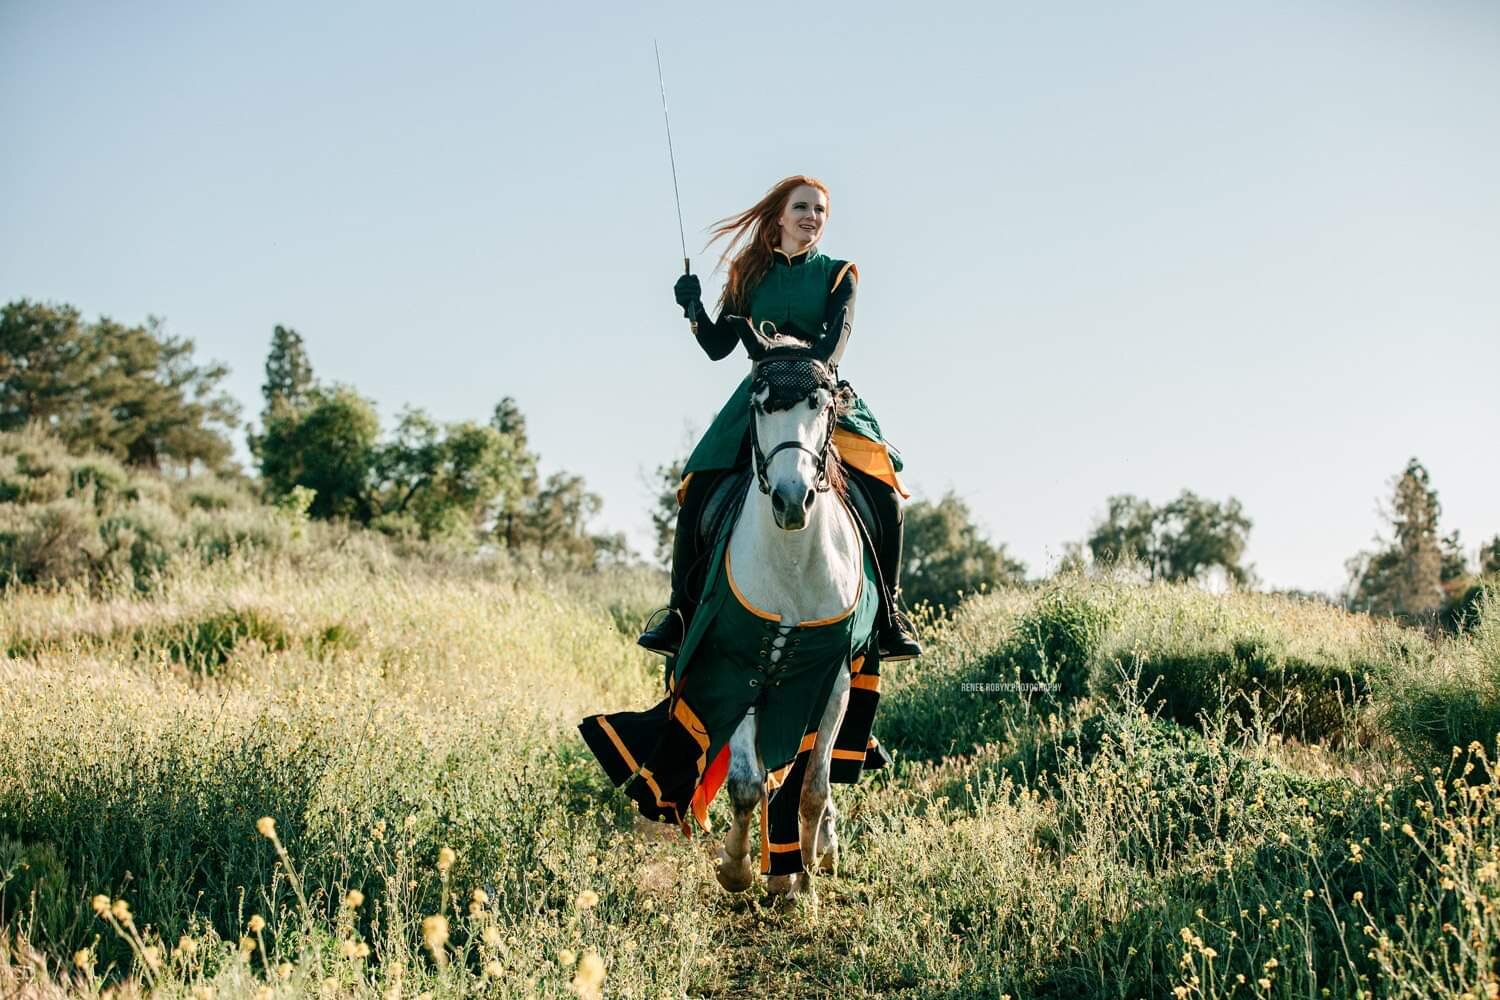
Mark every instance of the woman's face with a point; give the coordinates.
(803, 217)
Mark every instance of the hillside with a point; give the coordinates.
(1101, 789)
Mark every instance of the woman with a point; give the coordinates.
(780, 281)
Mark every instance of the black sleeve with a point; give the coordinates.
(838, 321)
(718, 339)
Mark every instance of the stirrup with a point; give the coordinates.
(666, 637)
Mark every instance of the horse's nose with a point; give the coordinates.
(790, 503)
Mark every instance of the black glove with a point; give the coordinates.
(688, 293)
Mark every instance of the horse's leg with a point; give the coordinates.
(747, 784)
(815, 810)
(828, 840)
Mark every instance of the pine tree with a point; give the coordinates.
(289, 374)
(1404, 578)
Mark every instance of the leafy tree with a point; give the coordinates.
(554, 521)
(44, 352)
(509, 527)
(150, 402)
(289, 374)
(510, 421)
(1179, 541)
(328, 446)
(130, 391)
(1404, 577)
(664, 511)
(1129, 531)
(450, 482)
(947, 557)
(1489, 557)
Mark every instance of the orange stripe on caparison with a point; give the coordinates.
(614, 738)
(655, 789)
(866, 682)
(689, 719)
(765, 836)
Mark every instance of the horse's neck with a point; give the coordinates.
(800, 575)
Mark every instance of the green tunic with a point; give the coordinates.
(794, 292)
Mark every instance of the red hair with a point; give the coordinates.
(748, 264)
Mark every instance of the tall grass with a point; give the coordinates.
(1101, 790)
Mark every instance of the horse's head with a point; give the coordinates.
(795, 400)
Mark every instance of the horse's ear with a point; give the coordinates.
(756, 343)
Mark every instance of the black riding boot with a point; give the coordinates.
(688, 557)
(897, 637)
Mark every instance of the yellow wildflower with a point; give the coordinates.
(587, 899)
(354, 899)
(101, 904)
(566, 957)
(435, 935)
(84, 959)
(590, 975)
(492, 936)
(266, 827)
(257, 923)
(446, 857)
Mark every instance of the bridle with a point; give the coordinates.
(790, 381)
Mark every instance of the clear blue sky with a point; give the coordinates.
(1251, 250)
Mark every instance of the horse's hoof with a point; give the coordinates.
(781, 885)
(735, 876)
(828, 864)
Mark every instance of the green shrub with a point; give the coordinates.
(1057, 640)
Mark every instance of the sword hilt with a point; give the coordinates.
(687, 310)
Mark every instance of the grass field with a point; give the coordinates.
(1101, 790)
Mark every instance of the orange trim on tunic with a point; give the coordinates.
(869, 457)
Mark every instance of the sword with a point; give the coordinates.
(687, 266)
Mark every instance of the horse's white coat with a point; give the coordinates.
(805, 574)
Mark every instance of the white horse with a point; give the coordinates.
(796, 552)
